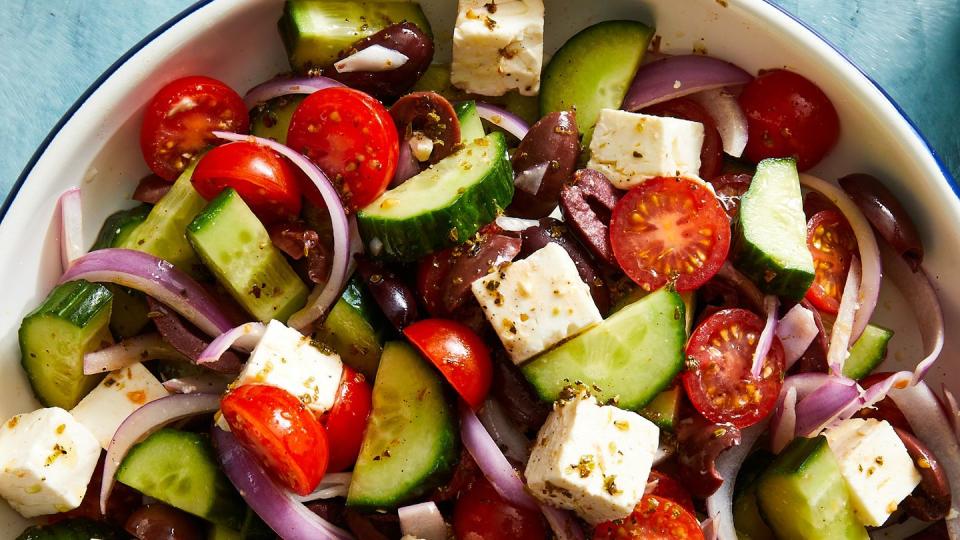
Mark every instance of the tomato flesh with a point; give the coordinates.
(280, 432)
(832, 243)
(670, 229)
(669, 488)
(711, 153)
(347, 420)
(352, 138)
(654, 518)
(481, 514)
(718, 380)
(459, 353)
(180, 119)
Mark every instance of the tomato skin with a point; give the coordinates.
(265, 180)
(669, 488)
(286, 438)
(832, 243)
(347, 420)
(668, 215)
(654, 518)
(720, 351)
(711, 154)
(459, 353)
(481, 514)
(180, 118)
(352, 138)
(788, 115)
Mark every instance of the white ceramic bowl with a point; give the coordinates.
(236, 41)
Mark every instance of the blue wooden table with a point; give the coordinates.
(53, 49)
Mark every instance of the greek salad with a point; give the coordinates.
(519, 296)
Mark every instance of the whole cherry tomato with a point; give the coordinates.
(482, 514)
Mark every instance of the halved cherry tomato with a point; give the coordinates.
(787, 115)
(265, 180)
(668, 488)
(718, 379)
(347, 420)
(481, 514)
(670, 229)
(711, 153)
(654, 518)
(459, 353)
(285, 437)
(179, 121)
(352, 138)
(832, 243)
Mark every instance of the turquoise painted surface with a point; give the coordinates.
(53, 49)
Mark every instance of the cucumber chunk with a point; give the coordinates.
(411, 441)
(802, 494)
(470, 125)
(867, 352)
(179, 468)
(664, 409)
(72, 321)
(771, 238)
(593, 70)
(442, 206)
(630, 357)
(354, 328)
(315, 32)
(73, 529)
(130, 313)
(119, 225)
(236, 247)
(746, 512)
(271, 120)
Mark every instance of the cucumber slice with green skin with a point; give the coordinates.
(867, 352)
(746, 512)
(437, 79)
(236, 247)
(73, 320)
(315, 32)
(689, 303)
(119, 226)
(771, 232)
(271, 120)
(630, 357)
(470, 125)
(802, 495)
(664, 409)
(73, 529)
(130, 314)
(354, 328)
(442, 206)
(180, 469)
(411, 441)
(593, 70)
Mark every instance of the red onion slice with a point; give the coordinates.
(826, 404)
(374, 58)
(720, 504)
(503, 119)
(71, 227)
(321, 299)
(840, 335)
(128, 352)
(491, 461)
(284, 86)
(513, 224)
(154, 277)
(505, 433)
(784, 421)
(407, 165)
(678, 76)
(529, 180)
(244, 337)
(422, 521)
(205, 383)
(796, 330)
(277, 507)
(143, 422)
(952, 411)
(722, 105)
(562, 523)
(771, 303)
(332, 485)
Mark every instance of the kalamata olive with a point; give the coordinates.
(389, 291)
(553, 140)
(162, 522)
(699, 442)
(406, 38)
(373, 526)
(937, 531)
(730, 189)
(815, 202)
(303, 245)
(473, 260)
(123, 500)
(885, 409)
(930, 500)
(151, 189)
(552, 231)
(887, 216)
(814, 359)
(186, 339)
(519, 399)
(464, 474)
(431, 114)
(587, 203)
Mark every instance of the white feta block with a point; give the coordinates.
(498, 47)
(46, 461)
(115, 398)
(287, 359)
(630, 148)
(537, 302)
(593, 460)
(875, 465)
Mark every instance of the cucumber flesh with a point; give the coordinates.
(411, 441)
(130, 313)
(354, 328)
(119, 225)
(867, 352)
(471, 127)
(689, 303)
(73, 320)
(180, 469)
(271, 120)
(236, 247)
(631, 357)
(771, 243)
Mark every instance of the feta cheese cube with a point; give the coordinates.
(498, 47)
(875, 465)
(591, 459)
(115, 398)
(536, 302)
(287, 359)
(46, 461)
(630, 148)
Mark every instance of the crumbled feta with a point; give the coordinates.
(591, 459)
(46, 461)
(537, 302)
(630, 148)
(875, 465)
(498, 47)
(115, 398)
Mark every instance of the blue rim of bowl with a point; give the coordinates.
(15, 189)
